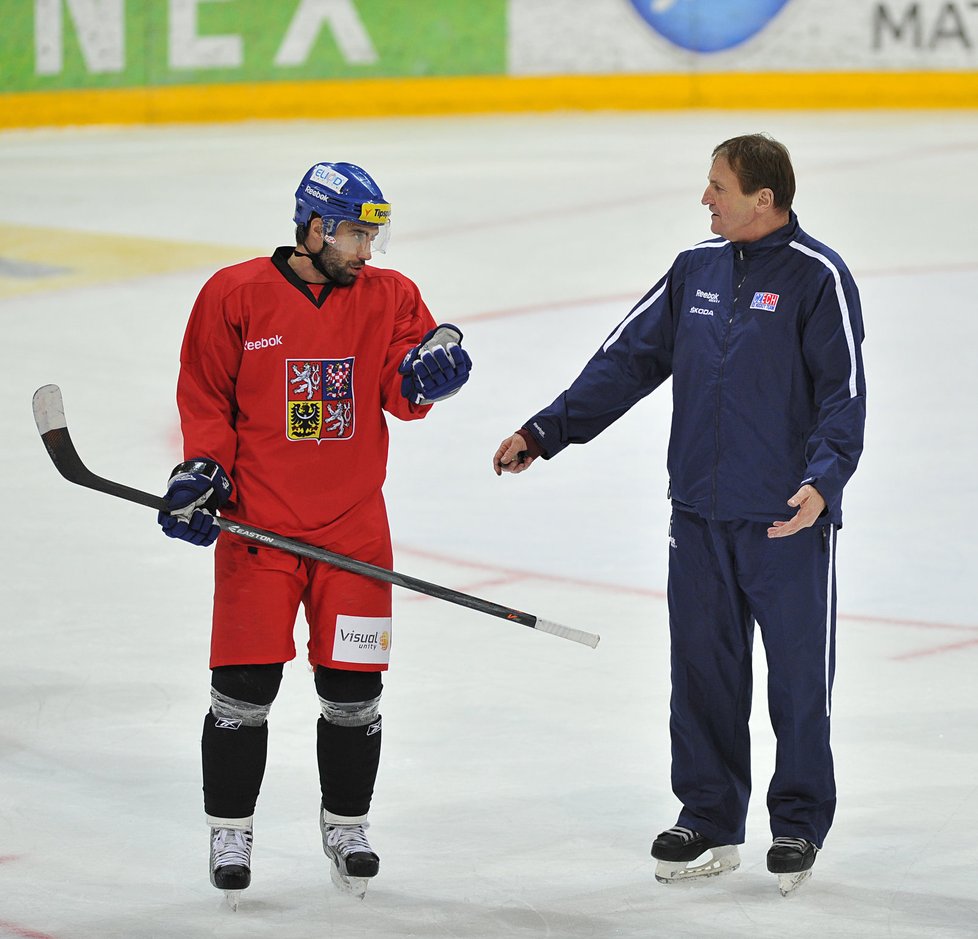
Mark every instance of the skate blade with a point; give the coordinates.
(353, 886)
(231, 898)
(722, 860)
(789, 883)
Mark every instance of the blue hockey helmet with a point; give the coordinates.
(342, 191)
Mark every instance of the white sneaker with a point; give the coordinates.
(352, 861)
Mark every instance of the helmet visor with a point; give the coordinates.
(351, 236)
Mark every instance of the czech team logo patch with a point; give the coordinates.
(764, 301)
(320, 399)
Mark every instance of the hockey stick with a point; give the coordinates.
(49, 415)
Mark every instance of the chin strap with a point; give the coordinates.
(316, 263)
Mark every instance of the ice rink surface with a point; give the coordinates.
(523, 776)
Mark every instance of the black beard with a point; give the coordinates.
(327, 265)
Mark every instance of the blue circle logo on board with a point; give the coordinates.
(708, 25)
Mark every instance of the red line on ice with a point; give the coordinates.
(22, 931)
(511, 574)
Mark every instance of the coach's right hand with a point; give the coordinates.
(512, 456)
(196, 490)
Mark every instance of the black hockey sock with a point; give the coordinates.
(348, 762)
(233, 762)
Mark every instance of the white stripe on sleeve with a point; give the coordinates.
(843, 307)
(830, 579)
(642, 307)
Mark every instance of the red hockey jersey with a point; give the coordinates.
(286, 388)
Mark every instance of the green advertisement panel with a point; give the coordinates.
(49, 45)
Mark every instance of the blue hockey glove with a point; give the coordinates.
(196, 490)
(436, 368)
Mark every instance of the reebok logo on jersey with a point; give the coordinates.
(708, 296)
(764, 301)
(374, 729)
(266, 343)
(227, 723)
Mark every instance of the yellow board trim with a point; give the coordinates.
(489, 94)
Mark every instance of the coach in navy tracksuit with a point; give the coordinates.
(760, 330)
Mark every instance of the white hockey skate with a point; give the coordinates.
(352, 860)
(230, 862)
(685, 856)
(791, 859)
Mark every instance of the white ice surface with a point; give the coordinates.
(523, 776)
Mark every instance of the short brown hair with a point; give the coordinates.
(760, 162)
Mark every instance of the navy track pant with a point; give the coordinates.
(724, 576)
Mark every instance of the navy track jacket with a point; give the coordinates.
(762, 341)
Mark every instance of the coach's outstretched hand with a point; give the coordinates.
(197, 489)
(437, 367)
(515, 454)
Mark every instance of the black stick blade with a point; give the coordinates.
(49, 415)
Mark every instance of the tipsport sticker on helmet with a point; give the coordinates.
(328, 177)
(375, 212)
(320, 399)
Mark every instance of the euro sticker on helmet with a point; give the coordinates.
(328, 177)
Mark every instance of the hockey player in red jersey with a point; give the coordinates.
(288, 366)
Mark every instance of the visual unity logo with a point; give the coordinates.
(708, 25)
